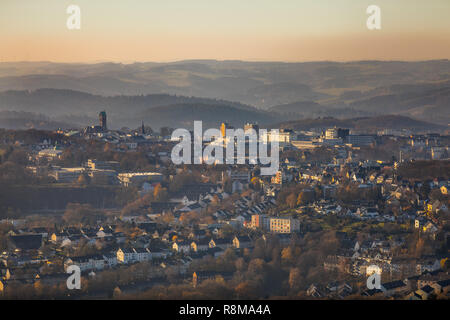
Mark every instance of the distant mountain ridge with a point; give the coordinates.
(51, 108)
(80, 108)
(362, 88)
(29, 120)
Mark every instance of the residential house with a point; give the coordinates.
(110, 260)
(133, 255)
(241, 242)
(397, 287)
(92, 262)
(220, 242)
(425, 292)
(314, 292)
(442, 286)
(182, 247)
(124, 255)
(200, 245)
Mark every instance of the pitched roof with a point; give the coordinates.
(427, 289)
(27, 241)
(394, 284)
(444, 283)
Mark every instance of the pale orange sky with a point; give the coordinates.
(168, 30)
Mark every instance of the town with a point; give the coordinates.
(114, 204)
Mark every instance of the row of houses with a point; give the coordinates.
(238, 242)
(121, 256)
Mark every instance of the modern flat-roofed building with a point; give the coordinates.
(279, 178)
(136, 178)
(50, 153)
(284, 225)
(306, 144)
(331, 133)
(93, 164)
(103, 176)
(67, 175)
(360, 140)
(260, 221)
(284, 136)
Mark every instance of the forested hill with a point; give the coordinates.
(80, 109)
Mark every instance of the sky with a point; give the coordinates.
(254, 30)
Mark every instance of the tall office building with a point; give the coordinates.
(336, 133)
(331, 133)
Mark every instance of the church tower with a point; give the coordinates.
(102, 119)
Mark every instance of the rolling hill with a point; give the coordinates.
(157, 110)
(287, 90)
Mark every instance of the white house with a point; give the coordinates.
(110, 260)
(95, 262)
(183, 247)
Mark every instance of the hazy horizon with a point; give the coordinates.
(222, 60)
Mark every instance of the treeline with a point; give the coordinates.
(31, 136)
(301, 194)
(423, 170)
(297, 195)
(30, 197)
(267, 271)
(140, 160)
